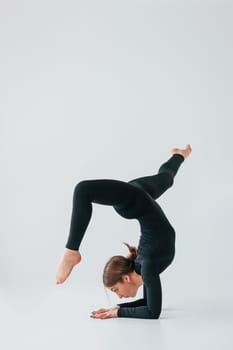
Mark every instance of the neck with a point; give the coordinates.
(137, 279)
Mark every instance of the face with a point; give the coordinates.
(125, 289)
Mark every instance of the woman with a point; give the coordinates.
(132, 200)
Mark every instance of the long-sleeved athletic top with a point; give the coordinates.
(156, 251)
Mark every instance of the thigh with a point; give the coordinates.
(106, 191)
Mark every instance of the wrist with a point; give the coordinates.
(115, 312)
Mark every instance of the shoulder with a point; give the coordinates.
(149, 269)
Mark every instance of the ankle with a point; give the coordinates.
(70, 252)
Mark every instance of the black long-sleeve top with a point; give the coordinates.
(156, 251)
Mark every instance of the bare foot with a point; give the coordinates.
(68, 261)
(184, 152)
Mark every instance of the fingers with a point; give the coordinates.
(99, 311)
(104, 313)
(101, 315)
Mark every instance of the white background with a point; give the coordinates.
(104, 89)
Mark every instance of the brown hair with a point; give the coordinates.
(118, 265)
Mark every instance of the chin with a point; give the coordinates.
(131, 295)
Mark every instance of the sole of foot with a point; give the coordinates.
(184, 152)
(66, 265)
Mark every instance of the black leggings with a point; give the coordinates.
(116, 193)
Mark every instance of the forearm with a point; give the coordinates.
(138, 312)
(136, 303)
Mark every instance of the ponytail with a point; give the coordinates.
(132, 252)
(118, 266)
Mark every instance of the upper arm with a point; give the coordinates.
(152, 287)
(154, 295)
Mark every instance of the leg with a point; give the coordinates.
(108, 192)
(102, 191)
(157, 184)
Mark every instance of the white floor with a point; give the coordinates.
(57, 317)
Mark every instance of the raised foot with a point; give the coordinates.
(184, 152)
(68, 261)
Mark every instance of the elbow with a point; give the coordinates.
(155, 314)
(156, 317)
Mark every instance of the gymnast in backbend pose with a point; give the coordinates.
(156, 250)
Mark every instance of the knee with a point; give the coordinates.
(80, 187)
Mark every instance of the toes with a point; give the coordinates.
(59, 280)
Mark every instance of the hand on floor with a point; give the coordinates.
(105, 313)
